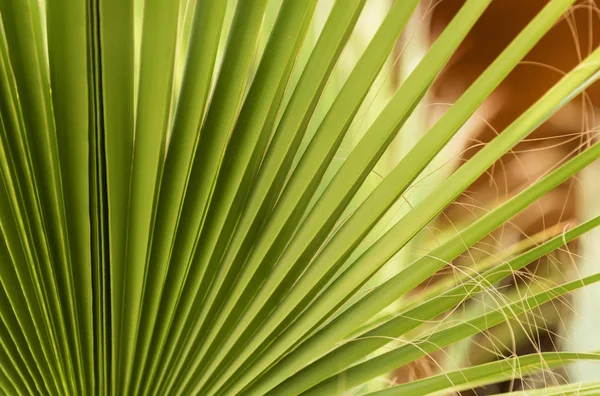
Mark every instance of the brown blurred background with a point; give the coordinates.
(558, 139)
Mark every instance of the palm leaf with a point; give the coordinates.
(175, 217)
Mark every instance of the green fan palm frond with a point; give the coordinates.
(181, 211)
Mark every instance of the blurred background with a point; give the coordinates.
(569, 324)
